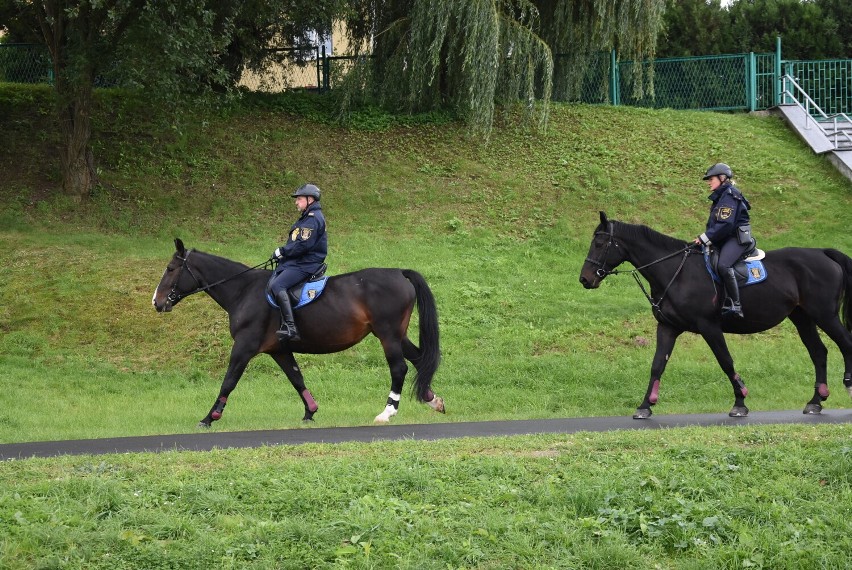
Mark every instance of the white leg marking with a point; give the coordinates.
(385, 416)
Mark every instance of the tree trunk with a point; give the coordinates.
(77, 160)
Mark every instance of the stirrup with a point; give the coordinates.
(731, 308)
(288, 332)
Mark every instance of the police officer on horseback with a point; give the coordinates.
(298, 259)
(728, 230)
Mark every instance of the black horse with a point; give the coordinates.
(811, 287)
(353, 305)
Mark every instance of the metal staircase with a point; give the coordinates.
(826, 134)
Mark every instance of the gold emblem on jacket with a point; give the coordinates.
(724, 213)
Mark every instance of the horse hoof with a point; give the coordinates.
(738, 412)
(812, 409)
(437, 404)
(203, 424)
(642, 414)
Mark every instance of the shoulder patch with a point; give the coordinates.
(724, 213)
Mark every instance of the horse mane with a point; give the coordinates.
(647, 234)
(220, 261)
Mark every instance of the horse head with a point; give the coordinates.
(605, 254)
(177, 282)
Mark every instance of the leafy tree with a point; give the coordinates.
(471, 54)
(809, 29)
(694, 27)
(164, 44)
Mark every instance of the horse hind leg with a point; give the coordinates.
(413, 355)
(287, 362)
(809, 335)
(841, 336)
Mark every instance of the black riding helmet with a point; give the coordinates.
(307, 190)
(718, 169)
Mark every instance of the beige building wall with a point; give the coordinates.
(279, 78)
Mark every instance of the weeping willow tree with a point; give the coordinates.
(470, 55)
(582, 30)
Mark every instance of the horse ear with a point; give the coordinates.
(179, 246)
(604, 221)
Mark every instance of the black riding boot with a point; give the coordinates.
(732, 303)
(288, 329)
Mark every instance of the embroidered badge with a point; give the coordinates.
(724, 213)
(306, 233)
(294, 234)
(755, 272)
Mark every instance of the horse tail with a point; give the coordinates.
(430, 351)
(846, 303)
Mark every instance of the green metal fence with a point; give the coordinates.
(827, 82)
(738, 82)
(25, 63)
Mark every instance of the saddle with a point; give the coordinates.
(749, 269)
(305, 292)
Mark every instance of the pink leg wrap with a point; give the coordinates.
(217, 413)
(655, 392)
(823, 390)
(309, 400)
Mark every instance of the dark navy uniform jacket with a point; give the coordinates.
(728, 212)
(307, 242)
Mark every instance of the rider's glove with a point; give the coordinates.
(277, 255)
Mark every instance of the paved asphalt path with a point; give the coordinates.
(224, 440)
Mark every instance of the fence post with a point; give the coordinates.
(613, 79)
(751, 81)
(319, 68)
(779, 87)
(326, 70)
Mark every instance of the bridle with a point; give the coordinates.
(602, 271)
(174, 296)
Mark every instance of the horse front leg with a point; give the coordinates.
(240, 357)
(290, 367)
(715, 339)
(809, 335)
(666, 338)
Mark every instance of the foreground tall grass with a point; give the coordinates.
(775, 497)
(499, 230)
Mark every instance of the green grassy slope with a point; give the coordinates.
(499, 229)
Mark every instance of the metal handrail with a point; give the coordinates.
(806, 107)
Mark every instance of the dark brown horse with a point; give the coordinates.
(811, 287)
(378, 301)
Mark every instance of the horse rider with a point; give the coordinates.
(301, 257)
(728, 230)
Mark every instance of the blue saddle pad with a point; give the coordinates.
(753, 270)
(310, 291)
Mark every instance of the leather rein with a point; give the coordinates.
(173, 296)
(602, 271)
